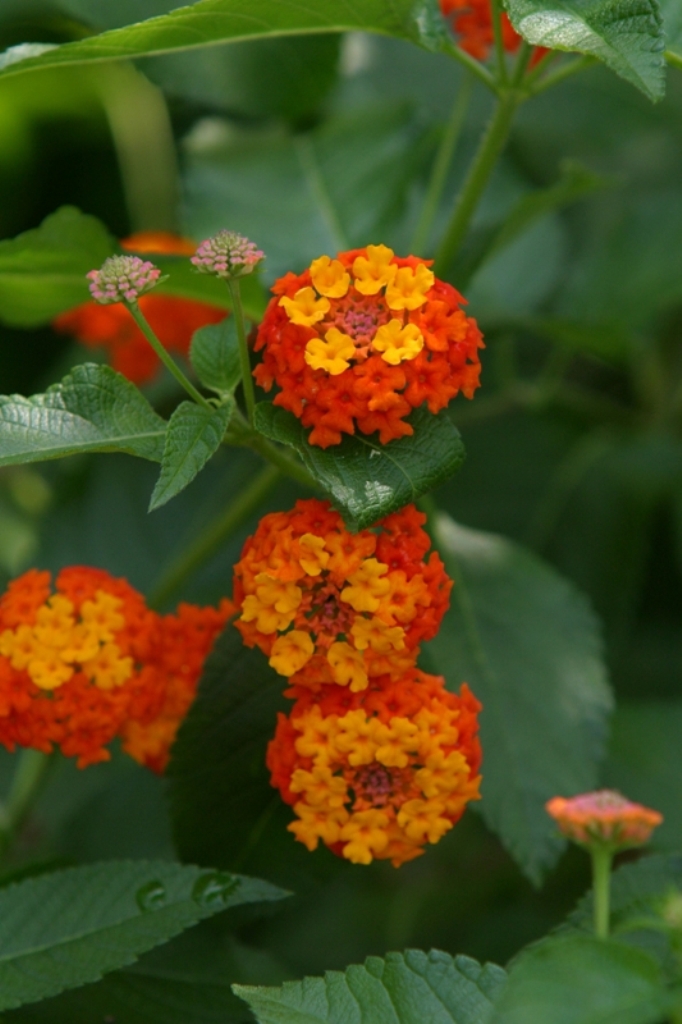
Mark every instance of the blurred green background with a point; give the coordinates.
(574, 449)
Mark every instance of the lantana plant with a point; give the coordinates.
(277, 666)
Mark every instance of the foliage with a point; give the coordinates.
(547, 189)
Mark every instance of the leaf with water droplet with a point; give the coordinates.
(151, 896)
(214, 888)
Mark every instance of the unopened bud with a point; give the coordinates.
(122, 279)
(227, 255)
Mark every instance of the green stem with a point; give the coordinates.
(673, 58)
(602, 856)
(165, 357)
(247, 379)
(477, 69)
(568, 69)
(278, 457)
(500, 56)
(214, 535)
(525, 54)
(490, 147)
(441, 166)
(540, 68)
(29, 778)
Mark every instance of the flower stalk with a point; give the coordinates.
(602, 860)
(165, 356)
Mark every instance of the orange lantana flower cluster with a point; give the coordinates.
(173, 320)
(87, 661)
(361, 340)
(330, 606)
(381, 773)
(376, 757)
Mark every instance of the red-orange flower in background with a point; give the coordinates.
(603, 817)
(378, 774)
(472, 21)
(174, 320)
(361, 340)
(81, 663)
(329, 606)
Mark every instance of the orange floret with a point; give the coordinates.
(358, 342)
(604, 818)
(329, 606)
(174, 320)
(378, 774)
(184, 642)
(89, 662)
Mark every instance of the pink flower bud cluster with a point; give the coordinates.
(228, 255)
(603, 817)
(122, 279)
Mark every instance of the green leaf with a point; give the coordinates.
(365, 479)
(528, 644)
(227, 21)
(627, 35)
(194, 434)
(298, 195)
(583, 980)
(186, 981)
(215, 356)
(93, 409)
(409, 988)
(42, 271)
(65, 929)
(220, 792)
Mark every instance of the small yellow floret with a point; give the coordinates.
(395, 741)
(348, 666)
(365, 834)
(48, 671)
(441, 772)
(274, 604)
(321, 787)
(397, 343)
(367, 586)
(374, 272)
(317, 823)
(102, 615)
(315, 558)
(291, 652)
(108, 669)
(355, 738)
(305, 309)
(330, 277)
(408, 290)
(421, 820)
(376, 634)
(331, 355)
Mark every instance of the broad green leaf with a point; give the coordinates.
(215, 356)
(193, 435)
(644, 762)
(286, 77)
(528, 645)
(93, 409)
(583, 980)
(340, 185)
(67, 928)
(208, 22)
(42, 271)
(627, 35)
(402, 988)
(186, 981)
(220, 793)
(365, 479)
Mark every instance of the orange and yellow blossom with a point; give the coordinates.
(359, 341)
(381, 773)
(603, 817)
(88, 661)
(329, 606)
